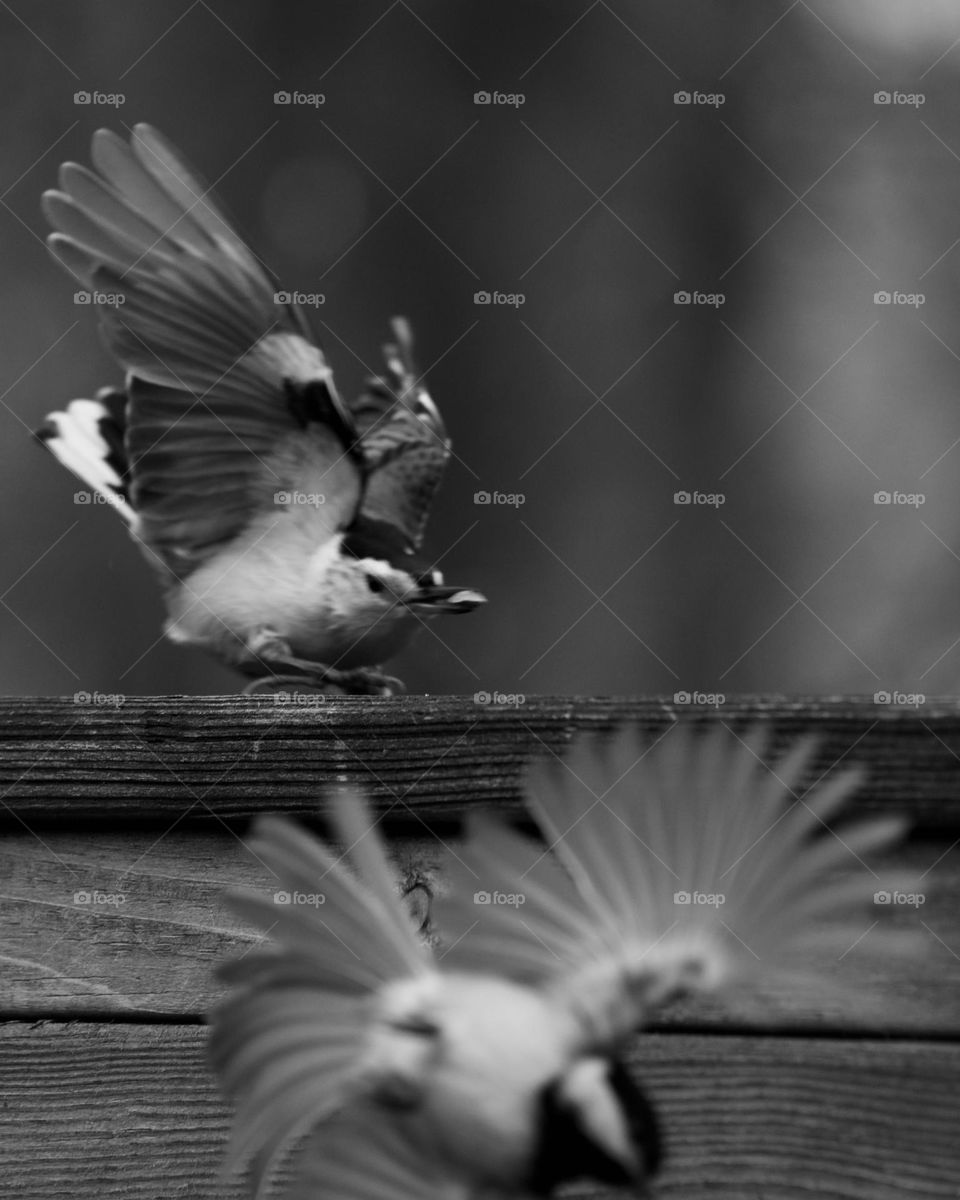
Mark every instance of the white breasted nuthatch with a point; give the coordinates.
(284, 522)
(686, 867)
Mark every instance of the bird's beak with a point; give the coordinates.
(431, 599)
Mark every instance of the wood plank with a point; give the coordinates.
(153, 950)
(99, 1111)
(155, 759)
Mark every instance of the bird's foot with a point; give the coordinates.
(282, 669)
(317, 677)
(366, 681)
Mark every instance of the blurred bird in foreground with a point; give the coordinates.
(284, 522)
(500, 1069)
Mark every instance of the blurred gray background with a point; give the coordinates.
(786, 186)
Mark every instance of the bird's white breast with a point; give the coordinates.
(502, 1043)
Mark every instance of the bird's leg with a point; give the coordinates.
(286, 670)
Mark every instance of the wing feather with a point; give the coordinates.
(192, 317)
(366, 1156)
(291, 1039)
(403, 440)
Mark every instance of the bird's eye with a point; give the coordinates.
(374, 584)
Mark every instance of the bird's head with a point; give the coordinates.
(595, 1123)
(371, 598)
(376, 574)
(376, 586)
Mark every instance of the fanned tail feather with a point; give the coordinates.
(687, 865)
(87, 437)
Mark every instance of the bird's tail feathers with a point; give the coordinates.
(87, 437)
(687, 865)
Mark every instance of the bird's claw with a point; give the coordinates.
(361, 681)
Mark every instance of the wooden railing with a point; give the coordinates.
(122, 822)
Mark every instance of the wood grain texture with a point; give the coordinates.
(132, 922)
(89, 1112)
(155, 759)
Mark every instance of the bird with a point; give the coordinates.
(363, 1065)
(284, 522)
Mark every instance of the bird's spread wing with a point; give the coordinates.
(365, 1156)
(404, 442)
(221, 376)
(684, 866)
(291, 1041)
